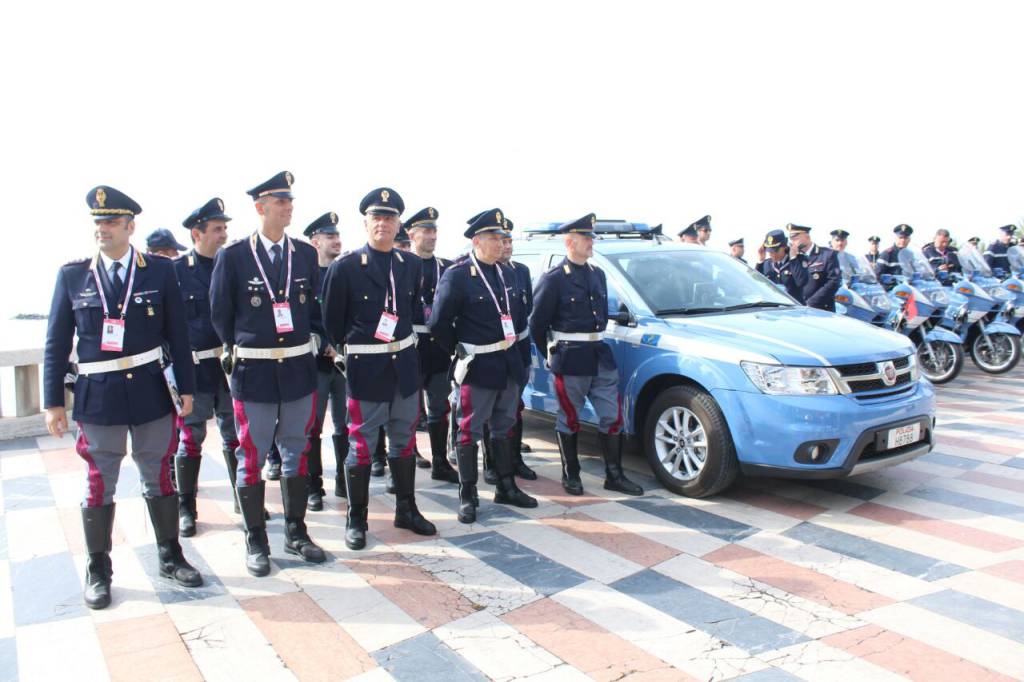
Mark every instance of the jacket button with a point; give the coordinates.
(128, 375)
(280, 361)
(280, 339)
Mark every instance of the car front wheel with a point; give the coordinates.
(688, 444)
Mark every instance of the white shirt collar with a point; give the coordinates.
(267, 243)
(124, 260)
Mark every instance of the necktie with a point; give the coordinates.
(275, 262)
(115, 278)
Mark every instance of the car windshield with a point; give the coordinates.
(693, 282)
(913, 263)
(1016, 256)
(852, 265)
(973, 264)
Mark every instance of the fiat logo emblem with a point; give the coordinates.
(888, 372)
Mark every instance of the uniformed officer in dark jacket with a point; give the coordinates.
(995, 254)
(434, 360)
(703, 227)
(161, 242)
(888, 262)
(125, 308)
(208, 225)
(474, 317)
(371, 297)
(778, 267)
(736, 249)
(943, 258)
(570, 313)
(822, 276)
(330, 381)
(262, 295)
(872, 254)
(839, 240)
(688, 235)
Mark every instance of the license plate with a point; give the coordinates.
(903, 435)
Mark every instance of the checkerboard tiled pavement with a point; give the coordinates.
(915, 572)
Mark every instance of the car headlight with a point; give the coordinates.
(881, 302)
(782, 380)
(940, 297)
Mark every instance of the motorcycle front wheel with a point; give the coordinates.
(996, 353)
(943, 363)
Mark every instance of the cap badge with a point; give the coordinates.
(220, 205)
(334, 218)
(288, 178)
(593, 220)
(497, 216)
(385, 195)
(430, 212)
(101, 197)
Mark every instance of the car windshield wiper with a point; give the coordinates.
(688, 311)
(758, 304)
(723, 309)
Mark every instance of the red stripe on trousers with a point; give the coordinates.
(252, 470)
(617, 426)
(355, 431)
(192, 448)
(571, 419)
(166, 487)
(303, 458)
(410, 447)
(94, 477)
(519, 419)
(466, 408)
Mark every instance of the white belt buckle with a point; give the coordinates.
(124, 363)
(276, 353)
(393, 347)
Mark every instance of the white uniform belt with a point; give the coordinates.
(275, 353)
(525, 334)
(128, 362)
(420, 329)
(200, 355)
(371, 348)
(576, 336)
(504, 344)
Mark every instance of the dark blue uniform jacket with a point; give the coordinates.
(194, 274)
(433, 358)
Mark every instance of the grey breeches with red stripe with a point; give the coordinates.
(103, 447)
(399, 417)
(603, 392)
(478, 406)
(260, 425)
(193, 427)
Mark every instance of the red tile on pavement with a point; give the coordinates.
(909, 657)
(587, 646)
(553, 490)
(1013, 484)
(972, 444)
(607, 536)
(947, 530)
(147, 648)
(1011, 570)
(780, 505)
(308, 640)
(803, 582)
(64, 461)
(426, 599)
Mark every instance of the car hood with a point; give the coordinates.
(795, 336)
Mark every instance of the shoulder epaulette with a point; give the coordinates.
(363, 260)
(567, 269)
(77, 261)
(398, 255)
(472, 271)
(140, 259)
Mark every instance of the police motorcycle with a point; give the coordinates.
(993, 343)
(1014, 284)
(919, 303)
(861, 296)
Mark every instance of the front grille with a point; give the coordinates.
(857, 370)
(878, 384)
(901, 363)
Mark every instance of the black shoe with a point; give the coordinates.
(490, 473)
(231, 462)
(188, 481)
(441, 470)
(406, 514)
(380, 455)
(521, 470)
(340, 453)
(614, 478)
(163, 512)
(315, 500)
(570, 463)
(257, 549)
(467, 455)
(294, 497)
(357, 482)
(507, 492)
(98, 525)
(523, 447)
(421, 461)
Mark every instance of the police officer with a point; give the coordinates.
(434, 360)
(371, 297)
(330, 382)
(124, 307)
(974, 241)
(402, 240)
(839, 240)
(888, 262)
(161, 242)
(688, 235)
(474, 317)
(943, 258)
(571, 304)
(703, 227)
(777, 266)
(262, 295)
(822, 276)
(872, 254)
(209, 227)
(736, 249)
(995, 254)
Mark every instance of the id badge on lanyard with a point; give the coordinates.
(283, 310)
(113, 335)
(283, 317)
(388, 321)
(507, 328)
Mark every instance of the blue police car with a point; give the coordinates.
(722, 373)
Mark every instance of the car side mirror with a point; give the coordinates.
(623, 317)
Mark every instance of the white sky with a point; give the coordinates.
(855, 115)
